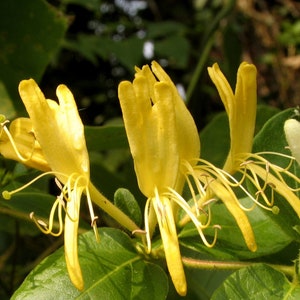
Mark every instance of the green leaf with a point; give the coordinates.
(100, 138)
(175, 48)
(169, 42)
(272, 138)
(112, 269)
(257, 282)
(270, 237)
(30, 34)
(129, 51)
(215, 138)
(127, 203)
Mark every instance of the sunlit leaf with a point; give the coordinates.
(257, 282)
(112, 269)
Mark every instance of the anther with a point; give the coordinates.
(138, 231)
(93, 222)
(217, 226)
(247, 162)
(272, 185)
(42, 223)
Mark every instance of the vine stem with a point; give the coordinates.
(206, 45)
(232, 265)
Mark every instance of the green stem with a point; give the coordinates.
(112, 210)
(206, 44)
(199, 68)
(231, 265)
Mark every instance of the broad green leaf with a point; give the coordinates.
(257, 282)
(127, 203)
(112, 269)
(100, 138)
(30, 34)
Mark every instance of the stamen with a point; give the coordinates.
(138, 231)
(48, 229)
(41, 222)
(92, 214)
(7, 194)
(176, 197)
(95, 228)
(147, 229)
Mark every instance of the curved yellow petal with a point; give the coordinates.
(160, 129)
(70, 237)
(230, 201)
(58, 129)
(165, 218)
(240, 108)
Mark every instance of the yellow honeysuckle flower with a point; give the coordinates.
(267, 178)
(162, 134)
(52, 140)
(57, 131)
(241, 110)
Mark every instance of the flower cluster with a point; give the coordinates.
(52, 140)
(165, 147)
